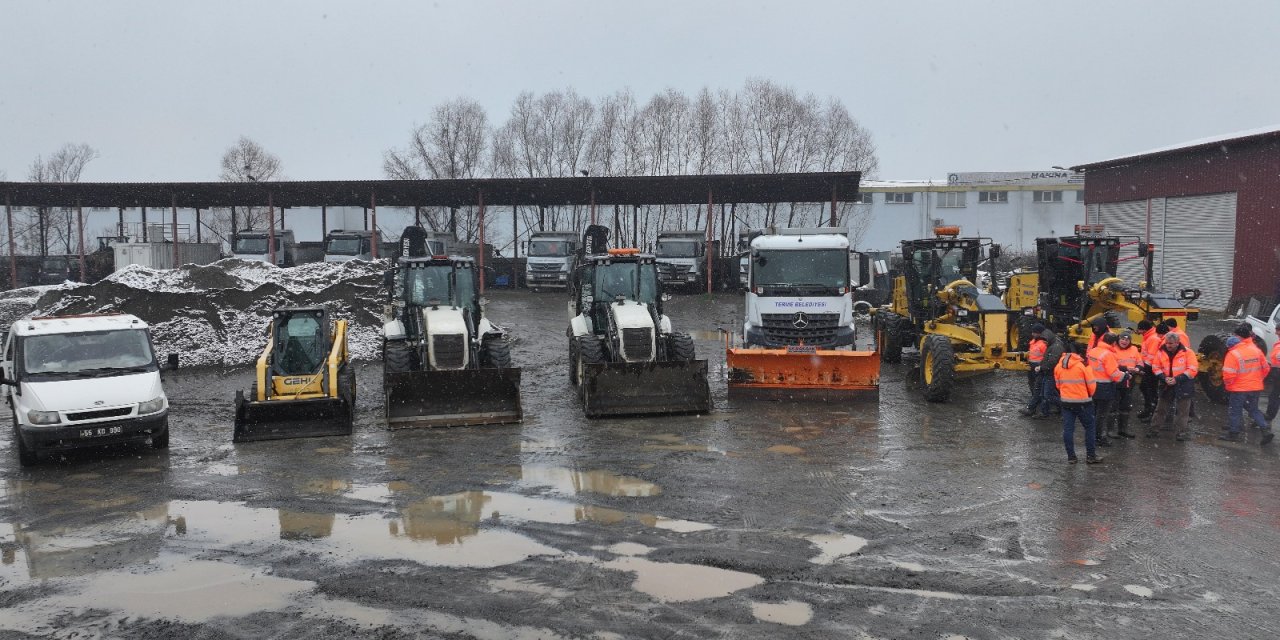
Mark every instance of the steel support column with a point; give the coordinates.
(324, 222)
(271, 228)
(373, 211)
(13, 259)
(173, 203)
(80, 226)
(480, 197)
(710, 227)
(833, 205)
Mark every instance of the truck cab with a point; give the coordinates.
(681, 257)
(254, 245)
(81, 381)
(550, 255)
(799, 290)
(344, 246)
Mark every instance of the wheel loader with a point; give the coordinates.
(959, 329)
(444, 362)
(624, 357)
(799, 336)
(304, 385)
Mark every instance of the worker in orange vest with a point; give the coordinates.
(1076, 385)
(1129, 360)
(1273, 400)
(1036, 349)
(1182, 335)
(1175, 367)
(1106, 376)
(1150, 344)
(1244, 370)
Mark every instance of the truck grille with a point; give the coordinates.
(99, 414)
(668, 271)
(449, 351)
(637, 344)
(544, 266)
(817, 329)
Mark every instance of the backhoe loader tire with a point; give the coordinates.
(891, 338)
(495, 353)
(398, 357)
(680, 348)
(937, 368)
(590, 351)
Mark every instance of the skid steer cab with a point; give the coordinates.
(444, 362)
(303, 385)
(624, 357)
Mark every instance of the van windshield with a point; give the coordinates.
(88, 353)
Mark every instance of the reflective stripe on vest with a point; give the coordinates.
(1128, 357)
(1183, 362)
(1074, 380)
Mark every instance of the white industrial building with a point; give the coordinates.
(1013, 208)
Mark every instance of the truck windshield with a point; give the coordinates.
(92, 352)
(548, 248)
(430, 285)
(676, 249)
(250, 245)
(632, 281)
(343, 246)
(806, 272)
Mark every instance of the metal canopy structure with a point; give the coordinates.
(585, 190)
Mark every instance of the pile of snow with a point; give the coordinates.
(217, 314)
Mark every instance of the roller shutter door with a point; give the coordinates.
(1199, 247)
(1126, 219)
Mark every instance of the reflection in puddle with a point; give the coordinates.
(676, 582)
(60, 552)
(300, 525)
(785, 448)
(791, 612)
(835, 545)
(573, 481)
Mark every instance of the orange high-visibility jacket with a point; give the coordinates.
(1102, 359)
(1074, 379)
(1182, 362)
(1150, 344)
(1036, 350)
(1275, 354)
(1129, 358)
(1244, 368)
(1182, 337)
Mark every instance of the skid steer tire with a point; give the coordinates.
(680, 348)
(937, 368)
(253, 392)
(347, 386)
(891, 331)
(398, 357)
(495, 353)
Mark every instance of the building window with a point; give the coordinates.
(1046, 196)
(1080, 196)
(899, 198)
(993, 196)
(863, 198)
(951, 199)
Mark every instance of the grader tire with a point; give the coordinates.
(891, 338)
(937, 368)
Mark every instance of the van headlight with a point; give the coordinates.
(151, 406)
(43, 417)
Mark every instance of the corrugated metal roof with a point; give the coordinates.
(1248, 135)
(626, 190)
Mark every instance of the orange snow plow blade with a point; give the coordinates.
(802, 371)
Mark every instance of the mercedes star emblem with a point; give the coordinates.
(800, 320)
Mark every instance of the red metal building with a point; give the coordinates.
(1211, 207)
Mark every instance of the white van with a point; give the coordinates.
(80, 381)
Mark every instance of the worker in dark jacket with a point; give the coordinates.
(1036, 348)
(1049, 389)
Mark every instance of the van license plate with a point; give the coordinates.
(100, 431)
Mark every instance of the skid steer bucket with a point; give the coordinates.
(800, 372)
(281, 419)
(638, 388)
(453, 398)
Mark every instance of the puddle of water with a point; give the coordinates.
(681, 526)
(1083, 587)
(785, 448)
(301, 525)
(12, 488)
(542, 446)
(38, 554)
(1139, 590)
(629, 549)
(573, 481)
(909, 566)
(789, 612)
(835, 545)
(528, 586)
(222, 469)
(676, 582)
(369, 493)
(328, 486)
(193, 591)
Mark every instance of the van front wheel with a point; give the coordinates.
(26, 457)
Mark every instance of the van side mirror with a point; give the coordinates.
(171, 364)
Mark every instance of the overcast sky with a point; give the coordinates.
(161, 89)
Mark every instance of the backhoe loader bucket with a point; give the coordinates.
(640, 388)
(281, 419)
(453, 398)
(800, 372)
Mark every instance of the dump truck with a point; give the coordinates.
(344, 246)
(304, 385)
(624, 356)
(444, 362)
(681, 258)
(252, 244)
(550, 256)
(958, 329)
(800, 337)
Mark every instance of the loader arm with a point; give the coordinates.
(264, 363)
(337, 355)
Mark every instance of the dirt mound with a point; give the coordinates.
(217, 314)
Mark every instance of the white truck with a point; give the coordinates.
(799, 290)
(550, 255)
(344, 246)
(681, 259)
(255, 245)
(82, 381)
(1266, 329)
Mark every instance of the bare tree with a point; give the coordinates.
(245, 161)
(64, 165)
(452, 144)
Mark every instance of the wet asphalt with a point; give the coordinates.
(888, 518)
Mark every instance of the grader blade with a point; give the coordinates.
(645, 388)
(283, 419)
(788, 373)
(453, 398)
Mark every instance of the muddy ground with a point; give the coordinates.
(888, 519)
